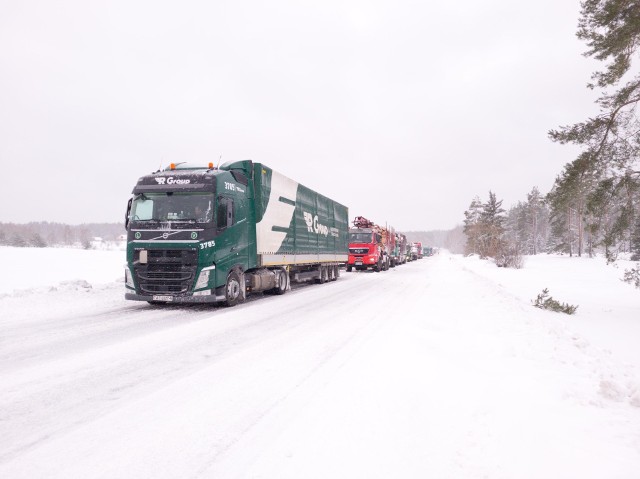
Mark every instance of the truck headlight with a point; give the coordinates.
(128, 277)
(203, 278)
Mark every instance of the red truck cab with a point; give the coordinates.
(368, 246)
(365, 250)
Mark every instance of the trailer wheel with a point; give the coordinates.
(331, 273)
(323, 275)
(233, 289)
(336, 272)
(283, 282)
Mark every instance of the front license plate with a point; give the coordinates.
(358, 263)
(159, 297)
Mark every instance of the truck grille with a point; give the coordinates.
(166, 271)
(358, 250)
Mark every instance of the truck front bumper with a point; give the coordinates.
(169, 299)
(368, 260)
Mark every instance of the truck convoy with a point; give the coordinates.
(206, 235)
(371, 246)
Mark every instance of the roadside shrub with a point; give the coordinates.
(544, 301)
(632, 276)
(510, 257)
(611, 256)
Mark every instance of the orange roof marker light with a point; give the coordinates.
(211, 165)
(172, 166)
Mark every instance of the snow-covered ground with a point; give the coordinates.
(439, 368)
(26, 269)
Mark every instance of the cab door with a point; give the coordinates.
(232, 236)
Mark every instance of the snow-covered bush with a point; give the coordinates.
(510, 256)
(632, 276)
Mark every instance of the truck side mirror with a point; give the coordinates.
(126, 216)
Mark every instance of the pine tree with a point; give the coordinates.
(610, 142)
(536, 219)
(492, 221)
(567, 201)
(611, 30)
(515, 227)
(472, 226)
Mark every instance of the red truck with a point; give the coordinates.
(370, 246)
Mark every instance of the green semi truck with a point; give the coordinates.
(206, 235)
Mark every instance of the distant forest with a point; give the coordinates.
(43, 234)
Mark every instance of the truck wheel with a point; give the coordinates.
(377, 267)
(323, 275)
(233, 289)
(283, 282)
(348, 269)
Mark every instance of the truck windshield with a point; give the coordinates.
(359, 237)
(172, 207)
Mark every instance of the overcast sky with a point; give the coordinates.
(401, 110)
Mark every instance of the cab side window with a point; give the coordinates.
(224, 213)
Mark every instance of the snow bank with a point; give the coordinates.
(608, 312)
(26, 269)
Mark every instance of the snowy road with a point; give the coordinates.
(428, 370)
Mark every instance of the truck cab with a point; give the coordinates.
(186, 228)
(366, 250)
(401, 248)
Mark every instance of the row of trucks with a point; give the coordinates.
(215, 234)
(376, 247)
